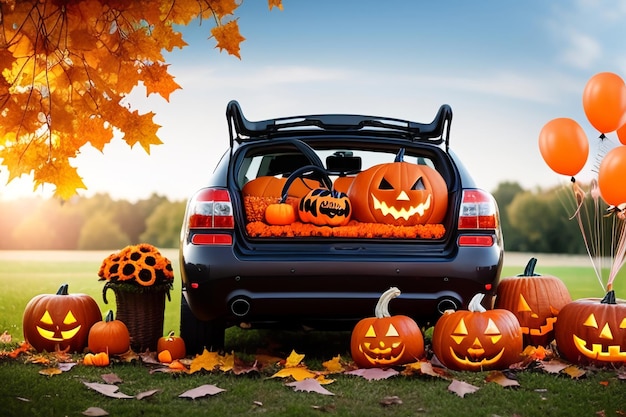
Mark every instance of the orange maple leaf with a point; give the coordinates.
(275, 3)
(228, 37)
(158, 80)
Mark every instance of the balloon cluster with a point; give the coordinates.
(564, 145)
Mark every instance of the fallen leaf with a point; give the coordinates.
(201, 391)
(95, 412)
(207, 361)
(554, 366)
(334, 365)
(373, 373)
(149, 357)
(5, 337)
(146, 394)
(107, 389)
(574, 372)
(604, 383)
(240, 368)
(424, 367)
(309, 385)
(50, 371)
(66, 366)
(129, 356)
(392, 400)
(111, 378)
(266, 360)
(298, 373)
(22, 348)
(501, 379)
(461, 388)
(293, 359)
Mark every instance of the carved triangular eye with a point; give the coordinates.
(522, 305)
(370, 332)
(392, 332)
(46, 319)
(385, 185)
(69, 318)
(493, 332)
(419, 185)
(622, 325)
(460, 332)
(591, 321)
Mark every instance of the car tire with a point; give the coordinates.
(198, 334)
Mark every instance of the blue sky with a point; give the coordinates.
(505, 67)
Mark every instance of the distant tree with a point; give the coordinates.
(164, 224)
(67, 66)
(100, 231)
(504, 195)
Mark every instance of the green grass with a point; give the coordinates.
(24, 392)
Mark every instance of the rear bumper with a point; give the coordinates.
(219, 285)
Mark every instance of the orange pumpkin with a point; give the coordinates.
(385, 340)
(477, 339)
(593, 331)
(535, 300)
(96, 359)
(60, 321)
(399, 193)
(174, 344)
(324, 207)
(109, 336)
(280, 214)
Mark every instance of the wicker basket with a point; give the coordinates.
(142, 312)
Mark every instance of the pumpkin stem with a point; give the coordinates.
(529, 271)
(171, 334)
(475, 305)
(382, 307)
(400, 156)
(63, 289)
(609, 298)
(109, 316)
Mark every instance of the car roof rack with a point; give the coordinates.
(242, 129)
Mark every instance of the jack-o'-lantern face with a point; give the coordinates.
(383, 349)
(590, 331)
(474, 341)
(60, 321)
(535, 300)
(325, 208)
(399, 193)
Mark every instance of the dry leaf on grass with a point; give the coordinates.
(50, 371)
(309, 385)
(461, 388)
(372, 374)
(554, 366)
(299, 373)
(107, 390)
(201, 391)
(146, 394)
(95, 412)
(111, 378)
(574, 372)
(501, 379)
(392, 400)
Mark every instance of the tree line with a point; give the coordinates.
(532, 221)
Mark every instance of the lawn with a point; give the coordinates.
(25, 392)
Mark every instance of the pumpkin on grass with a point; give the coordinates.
(60, 321)
(174, 344)
(96, 359)
(385, 340)
(399, 193)
(593, 331)
(109, 336)
(477, 339)
(536, 300)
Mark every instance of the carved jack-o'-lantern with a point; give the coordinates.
(60, 321)
(535, 300)
(591, 330)
(385, 340)
(399, 193)
(477, 339)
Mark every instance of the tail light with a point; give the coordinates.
(211, 209)
(479, 211)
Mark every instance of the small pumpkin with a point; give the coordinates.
(320, 206)
(399, 193)
(96, 359)
(109, 336)
(593, 331)
(174, 344)
(477, 339)
(280, 214)
(536, 300)
(385, 340)
(60, 321)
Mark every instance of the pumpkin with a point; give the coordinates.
(477, 339)
(109, 336)
(590, 330)
(280, 214)
(96, 359)
(320, 206)
(535, 300)
(174, 344)
(385, 340)
(60, 321)
(399, 193)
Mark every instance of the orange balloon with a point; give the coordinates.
(612, 176)
(604, 101)
(621, 134)
(564, 146)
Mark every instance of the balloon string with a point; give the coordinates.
(620, 253)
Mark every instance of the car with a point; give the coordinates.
(348, 232)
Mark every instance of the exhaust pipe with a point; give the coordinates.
(240, 307)
(447, 304)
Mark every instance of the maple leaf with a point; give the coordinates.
(275, 3)
(334, 365)
(374, 373)
(298, 373)
(201, 391)
(107, 389)
(501, 379)
(294, 359)
(158, 80)
(461, 388)
(208, 361)
(228, 37)
(5, 337)
(309, 385)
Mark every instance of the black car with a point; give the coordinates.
(238, 270)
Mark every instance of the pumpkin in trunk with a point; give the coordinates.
(536, 300)
(399, 193)
(385, 340)
(477, 339)
(60, 321)
(593, 331)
